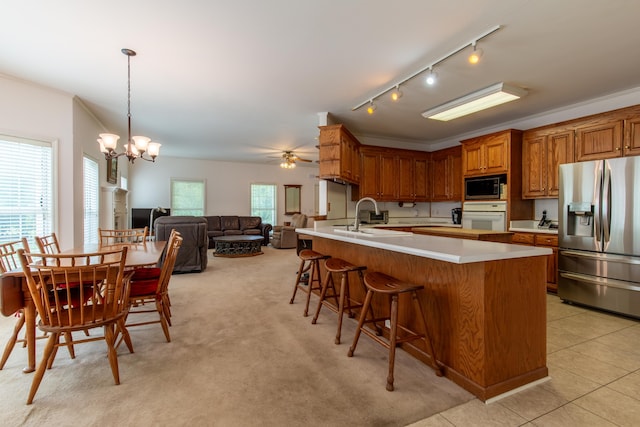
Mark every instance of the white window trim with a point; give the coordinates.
(55, 149)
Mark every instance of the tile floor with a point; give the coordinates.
(594, 365)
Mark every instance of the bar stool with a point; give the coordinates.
(386, 285)
(338, 265)
(313, 258)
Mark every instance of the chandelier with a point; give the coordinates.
(136, 146)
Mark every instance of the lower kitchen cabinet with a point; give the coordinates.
(546, 240)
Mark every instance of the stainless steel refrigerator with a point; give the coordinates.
(599, 234)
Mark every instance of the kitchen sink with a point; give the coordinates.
(372, 232)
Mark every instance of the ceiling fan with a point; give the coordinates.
(289, 160)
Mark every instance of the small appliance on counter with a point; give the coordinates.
(456, 215)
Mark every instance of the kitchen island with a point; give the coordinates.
(485, 302)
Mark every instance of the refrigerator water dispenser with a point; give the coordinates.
(580, 219)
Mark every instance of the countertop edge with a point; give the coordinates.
(457, 251)
(533, 230)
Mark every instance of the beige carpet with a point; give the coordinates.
(240, 355)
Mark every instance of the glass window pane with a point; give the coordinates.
(26, 189)
(263, 202)
(187, 197)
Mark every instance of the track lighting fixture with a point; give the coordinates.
(371, 108)
(474, 58)
(396, 94)
(431, 78)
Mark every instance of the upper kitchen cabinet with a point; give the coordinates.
(488, 154)
(339, 154)
(379, 169)
(631, 137)
(599, 141)
(393, 175)
(542, 153)
(446, 173)
(499, 153)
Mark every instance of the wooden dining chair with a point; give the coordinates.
(146, 289)
(127, 235)
(9, 260)
(48, 244)
(64, 306)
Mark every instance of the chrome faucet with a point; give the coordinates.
(356, 222)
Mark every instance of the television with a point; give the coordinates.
(140, 217)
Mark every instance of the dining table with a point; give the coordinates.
(14, 290)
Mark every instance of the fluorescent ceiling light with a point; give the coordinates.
(477, 101)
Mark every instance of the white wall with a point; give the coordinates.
(227, 184)
(31, 111)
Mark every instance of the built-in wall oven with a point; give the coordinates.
(485, 215)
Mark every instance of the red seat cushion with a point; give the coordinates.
(143, 287)
(146, 273)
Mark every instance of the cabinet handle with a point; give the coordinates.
(617, 148)
(627, 147)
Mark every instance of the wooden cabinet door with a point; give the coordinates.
(601, 141)
(472, 159)
(406, 178)
(534, 149)
(388, 180)
(455, 174)
(632, 137)
(439, 172)
(496, 154)
(559, 152)
(346, 158)
(369, 175)
(355, 161)
(421, 187)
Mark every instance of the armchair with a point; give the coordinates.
(285, 236)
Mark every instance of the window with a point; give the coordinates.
(263, 202)
(187, 197)
(91, 181)
(26, 189)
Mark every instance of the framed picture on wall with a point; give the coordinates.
(112, 171)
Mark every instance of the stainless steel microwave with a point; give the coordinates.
(371, 217)
(482, 188)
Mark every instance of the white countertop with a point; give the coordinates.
(458, 251)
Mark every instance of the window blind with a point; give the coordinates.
(91, 182)
(26, 189)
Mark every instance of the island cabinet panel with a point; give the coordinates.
(487, 319)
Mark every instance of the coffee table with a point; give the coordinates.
(237, 246)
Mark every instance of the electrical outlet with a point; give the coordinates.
(387, 323)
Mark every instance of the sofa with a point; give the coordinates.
(237, 225)
(285, 236)
(192, 255)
